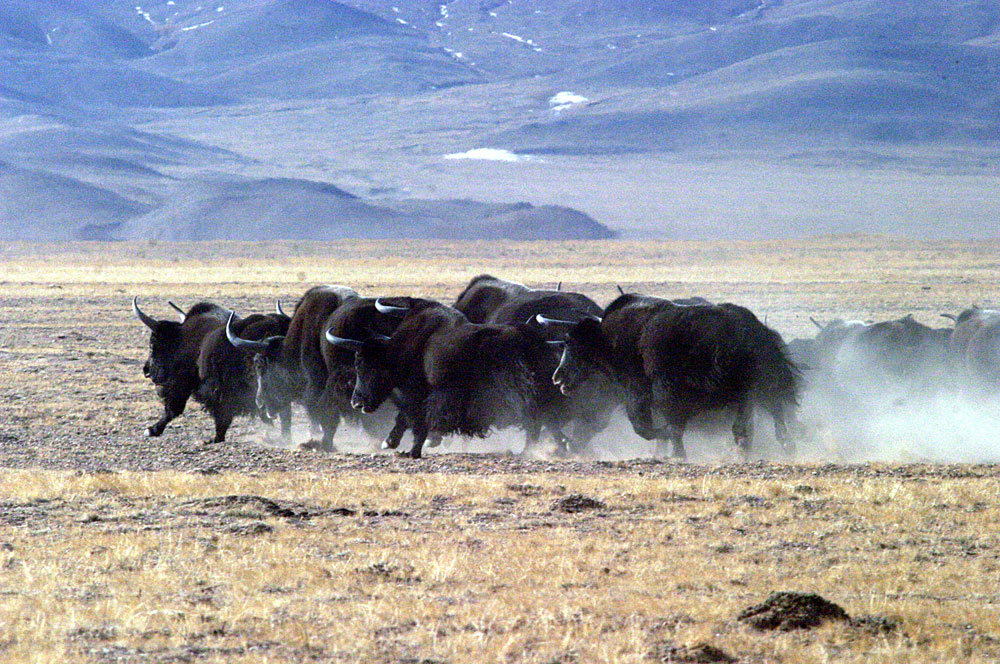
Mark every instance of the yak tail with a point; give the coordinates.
(779, 379)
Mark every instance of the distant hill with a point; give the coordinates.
(52, 207)
(217, 118)
(281, 208)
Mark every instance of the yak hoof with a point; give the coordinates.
(389, 444)
(408, 455)
(151, 432)
(317, 446)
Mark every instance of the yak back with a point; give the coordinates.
(622, 327)
(704, 349)
(969, 324)
(468, 353)
(561, 305)
(484, 294)
(975, 342)
(409, 343)
(904, 347)
(301, 352)
(722, 350)
(207, 309)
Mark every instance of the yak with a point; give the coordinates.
(450, 376)
(591, 406)
(355, 318)
(974, 344)
(900, 359)
(291, 368)
(227, 384)
(678, 360)
(187, 359)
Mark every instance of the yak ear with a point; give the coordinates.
(378, 337)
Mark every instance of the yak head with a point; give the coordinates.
(276, 386)
(165, 338)
(374, 369)
(583, 351)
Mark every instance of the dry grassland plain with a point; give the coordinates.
(118, 548)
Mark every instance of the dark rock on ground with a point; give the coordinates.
(786, 611)
(701, 653)
(577, 503)
(876, 624)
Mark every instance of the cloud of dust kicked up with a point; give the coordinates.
(872, 421)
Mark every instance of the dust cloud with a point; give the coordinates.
(833, 424)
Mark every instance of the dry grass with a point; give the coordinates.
(412, 565)
(465, 568)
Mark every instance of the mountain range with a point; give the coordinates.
(315, 119)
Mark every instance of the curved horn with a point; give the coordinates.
(178, 310)
(256, 346)
(559, 286)
(620, 289)
(816, 322)
(546, 321)
(147, 320)
(951, 317)
(341, 342)
(390, 310)
(278, 310)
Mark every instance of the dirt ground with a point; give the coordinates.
(120, 548)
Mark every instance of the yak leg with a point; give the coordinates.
(532, 434)
(743, 427)
(400, 426)
(777, 414)
(329, 426)
(322, 412)
(222, 422)
(172, 407)
(640, 414)
(286, 422)
(674, 435)
(419, 436)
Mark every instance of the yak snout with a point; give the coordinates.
(363, 403)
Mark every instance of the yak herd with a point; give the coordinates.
(549, 362)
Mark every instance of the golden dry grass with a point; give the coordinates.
(463, 566)
(432, 567)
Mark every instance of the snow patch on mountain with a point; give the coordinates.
(489, 154)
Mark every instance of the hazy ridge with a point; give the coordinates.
(178, 119)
